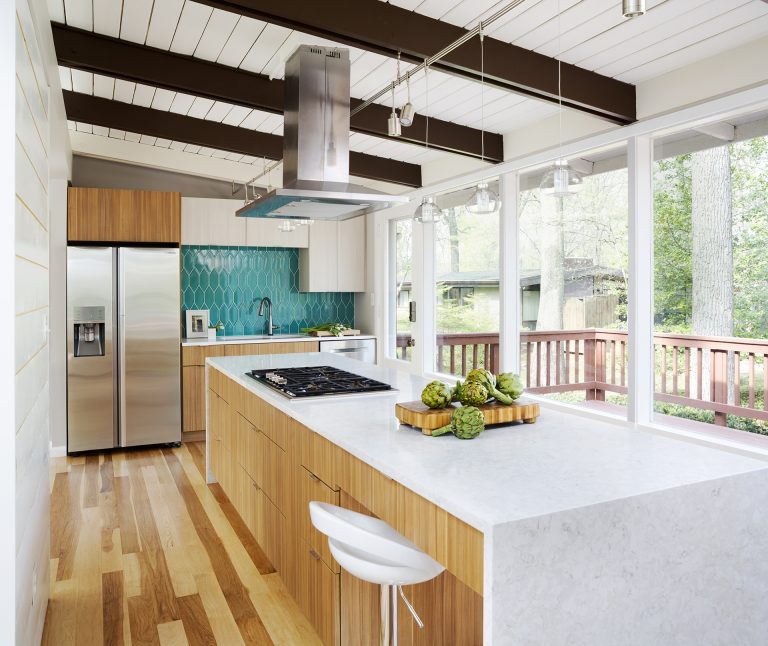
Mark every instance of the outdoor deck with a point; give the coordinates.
(723, 375)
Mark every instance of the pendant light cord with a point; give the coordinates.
(482, 93)
(426, 112)
(559, 86)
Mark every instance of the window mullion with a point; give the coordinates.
(640, 314)
(509, 275)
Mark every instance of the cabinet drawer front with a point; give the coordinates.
(310, 487)
(316, 590)
(193, 398)
(275, 471)
(317, 454)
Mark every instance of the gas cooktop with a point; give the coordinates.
(316, 381)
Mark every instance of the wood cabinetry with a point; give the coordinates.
(193, 373)
(334, 261)
(119, 215)
(208, 221)
(271, 467)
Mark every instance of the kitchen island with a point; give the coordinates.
(586, 531)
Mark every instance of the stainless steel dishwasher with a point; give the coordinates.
(360, 349)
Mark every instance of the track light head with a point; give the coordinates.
(393, 125)
(633, 8)
(407, 113)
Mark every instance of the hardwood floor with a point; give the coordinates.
(144, 552)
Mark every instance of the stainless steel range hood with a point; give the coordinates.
(316, 145)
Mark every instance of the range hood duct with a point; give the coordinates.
(316, 145)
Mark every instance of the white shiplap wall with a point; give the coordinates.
(31, 331)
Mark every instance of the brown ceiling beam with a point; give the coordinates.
(212, 134)
(387, 29)
(121, 59)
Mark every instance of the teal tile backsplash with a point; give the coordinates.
(230, 282)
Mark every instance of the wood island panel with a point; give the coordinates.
(270, 467)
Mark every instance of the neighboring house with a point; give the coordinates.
(590, 298)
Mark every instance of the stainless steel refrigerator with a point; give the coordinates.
(123, 331)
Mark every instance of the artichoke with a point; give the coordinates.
(488, 381)
(436, 395)
(466, 423)
(473, 393)
(485, 377)
(510, 384)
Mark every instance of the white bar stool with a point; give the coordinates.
(371, 550)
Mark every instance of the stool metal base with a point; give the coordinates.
(388, 606)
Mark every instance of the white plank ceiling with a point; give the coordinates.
(588, 33)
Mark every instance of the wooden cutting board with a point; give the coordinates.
(419, 416)
(344, 333)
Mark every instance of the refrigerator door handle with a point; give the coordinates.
(122, 423)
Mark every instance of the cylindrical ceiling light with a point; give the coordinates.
(407, 112)
(633, 8)
(393, 123)
(427, 212)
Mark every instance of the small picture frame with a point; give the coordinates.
(197, 324)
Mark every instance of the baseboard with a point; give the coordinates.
(56, 451)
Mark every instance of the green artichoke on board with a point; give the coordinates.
(473, 393)
(510, 384)
(436, 395)
(488, 381)
(466, 423)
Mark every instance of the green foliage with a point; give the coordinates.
(672, 243)
(673, 279)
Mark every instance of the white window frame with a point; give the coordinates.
(638, 138)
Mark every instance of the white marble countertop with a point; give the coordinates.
(562, 462)
(263, 338)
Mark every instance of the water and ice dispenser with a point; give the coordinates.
(89, 331)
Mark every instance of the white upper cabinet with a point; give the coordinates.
(208, 221)
(335, 258)
(263, 232)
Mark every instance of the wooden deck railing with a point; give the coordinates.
(718, 374)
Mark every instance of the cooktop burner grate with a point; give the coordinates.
(316, 381)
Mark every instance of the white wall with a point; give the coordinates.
(7, 367)
(41, 159)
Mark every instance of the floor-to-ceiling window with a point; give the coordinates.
(401, 289)
(573, 258)
(701, 274)
(711, 275)
(466, 280)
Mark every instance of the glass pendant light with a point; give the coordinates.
(286, 226)
(483, 200)
(560, 181)
(427, 212)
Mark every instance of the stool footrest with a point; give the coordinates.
(412, 610)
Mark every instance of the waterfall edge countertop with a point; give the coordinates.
(595, 533)
(263, 338)
(509, 472)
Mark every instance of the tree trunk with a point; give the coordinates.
(712, 262)
(453, 234)
(552, 286)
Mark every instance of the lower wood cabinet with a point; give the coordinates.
(271, 467)
(193, 372)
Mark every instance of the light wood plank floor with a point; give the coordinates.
(144, 552)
